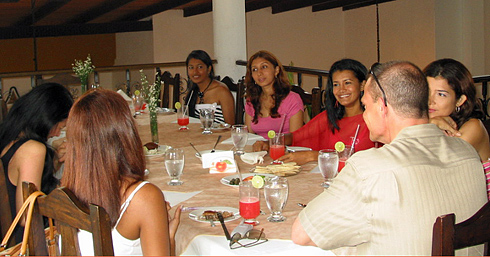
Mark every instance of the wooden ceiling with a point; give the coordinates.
(24, 18)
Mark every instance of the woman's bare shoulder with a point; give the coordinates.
(32, 147)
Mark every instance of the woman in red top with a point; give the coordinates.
(339, 122)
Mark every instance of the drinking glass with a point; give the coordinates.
(249, 202)
(343, 156)
(138, 102)
(174, 163)
(328, 161)
(239, 135)
(207, 118)
(183, 117)
(276, 147)
(276, 192)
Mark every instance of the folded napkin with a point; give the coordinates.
(252, 138)
(175, 198)
(254, 157)
(126, 97)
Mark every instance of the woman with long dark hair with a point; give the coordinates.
(105, 166)
(26, 156)
(339, 121)
(453, 104)
(206, 92)
(270, 102)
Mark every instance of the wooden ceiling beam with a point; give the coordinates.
(105, 7)
(41, 12)
(257, 5)
(199, 9)
(154, 9)
(363, 4)
(345, 4)
(74, 29)
(289, 5)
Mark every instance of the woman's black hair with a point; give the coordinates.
(206, 59)
(32, 117)
(460, 80)
(335, 111)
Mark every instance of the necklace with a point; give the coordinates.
(201, 94)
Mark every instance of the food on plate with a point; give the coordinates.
(150, 148)
(236, 181)
(213, 215)
(282, 170)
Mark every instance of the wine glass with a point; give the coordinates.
(239, 135)
(328, 161)
(249, 202)
(276, 192)
(183, 117)
(207, 117)
(174, 163)
(276, 147)
(138, 102)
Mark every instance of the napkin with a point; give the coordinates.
(254, 157)
(252, 138)
(126, 97)
(175, 198)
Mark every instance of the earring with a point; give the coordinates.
(336, 104)
(458, 108)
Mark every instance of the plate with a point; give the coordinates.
(160, 151)
(207, 151)
(226, 180)
(165, 111)
(293, 149)
(195, 215)
(219, 126)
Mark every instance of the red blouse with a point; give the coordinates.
(317, 135)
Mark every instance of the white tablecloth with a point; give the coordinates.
(207, 245)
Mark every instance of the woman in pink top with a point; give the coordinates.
(269, 97)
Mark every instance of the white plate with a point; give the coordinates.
(195, 215)
(226, 180)
(293, 149)
(219, 126)
(161, 151)
(165, 111)
(207, 151)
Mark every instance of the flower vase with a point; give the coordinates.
(84, 84)
(154, 127)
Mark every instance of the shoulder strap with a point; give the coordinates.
(130, 197)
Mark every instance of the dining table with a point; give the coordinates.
(202, 189)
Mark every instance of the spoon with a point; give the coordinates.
(217, 141)
(198, 153)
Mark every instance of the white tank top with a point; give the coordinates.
(122, 246)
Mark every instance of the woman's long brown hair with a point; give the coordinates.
(281, 85)
(104, 151)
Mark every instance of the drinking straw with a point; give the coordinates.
(354, 141)
(282, 124)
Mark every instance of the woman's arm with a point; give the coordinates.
(227, 105)
(473, 131)
(447, 125)
(300, 157)
(248, 122)
(296, 121)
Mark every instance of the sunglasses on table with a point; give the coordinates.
(250, 238)
(373, 67)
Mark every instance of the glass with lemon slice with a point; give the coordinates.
(138, 102)
(344, 152)
(182, 116)
(276, 146)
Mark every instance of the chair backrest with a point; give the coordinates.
(239, 90)
(448, 236)
(5, 211)
(314, 99)
(169, 97)
(69, 215)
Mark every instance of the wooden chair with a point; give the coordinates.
(5, 211)
(314, 99)
(239, 90)
(169, 82)
(448, 236)
(69, 215)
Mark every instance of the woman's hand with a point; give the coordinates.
(173, 222)
(447, 125)
(300, 158)
(261, 146)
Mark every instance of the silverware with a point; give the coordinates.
(212, 223)
(185, 209)
(222, 221)
(302, 205)
(217, 141)
(198, 153)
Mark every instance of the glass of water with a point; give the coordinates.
(239, 135)
(174, 163)
(328, 162)
(207, 118)
(276, 191)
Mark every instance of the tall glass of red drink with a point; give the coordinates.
(249, 202)
(183, 117)
(276, 147)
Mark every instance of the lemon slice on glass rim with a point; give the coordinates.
(257, 181)
(177, 105)
(339, 146)
(271, 134)
(136, 92)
